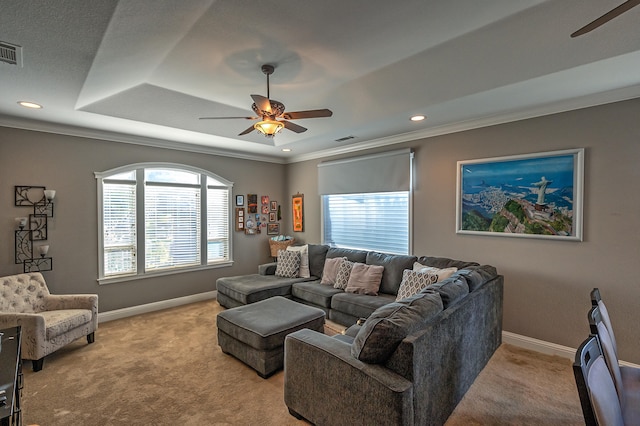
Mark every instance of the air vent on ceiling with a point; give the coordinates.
(10, 53)
(346, 138)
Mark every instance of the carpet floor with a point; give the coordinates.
(166, 368)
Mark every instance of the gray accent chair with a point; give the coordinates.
(48, 321)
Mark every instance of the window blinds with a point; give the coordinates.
(385, 172)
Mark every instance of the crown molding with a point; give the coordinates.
(61, 129)
(587, 101)
(617, 95)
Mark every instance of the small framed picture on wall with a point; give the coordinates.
(239, 200)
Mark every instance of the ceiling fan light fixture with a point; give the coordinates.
(268, 127)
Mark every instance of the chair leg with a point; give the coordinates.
(91, 338)
(37, 364)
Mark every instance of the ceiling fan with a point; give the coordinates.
(613, 13)
(270, 110)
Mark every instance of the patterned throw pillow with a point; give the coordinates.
(442, 273)
(288, 264)
(413, 282)
(342, 277)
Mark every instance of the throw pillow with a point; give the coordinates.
(342, 277)
(442, 273)
(330, 270)
(365, 279)
(413, 282)
(383, 331)
(288, 264)
(304, 260)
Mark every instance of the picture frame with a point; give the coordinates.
(252, 203)
(274, 206)
(536, 195)
(273, 229)
(297, 207)
(239, 200)
(239, 218)
(272, 216)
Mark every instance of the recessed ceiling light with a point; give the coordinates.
(286, 149)
(418, 118)
(27, 104)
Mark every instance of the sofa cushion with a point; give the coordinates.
(304, 260)
(344, 272)
(414, 281)
(330, 271)
(441, 273)
(359, 305)
(365, 279)
(351, 254)
(451, 290)
(317, 256)
(383, 331)
(64, 320)
(394, 265)
(288, 264)
(313, 293)
(445, 262)
(476, 276)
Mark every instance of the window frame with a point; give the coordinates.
(140, 272)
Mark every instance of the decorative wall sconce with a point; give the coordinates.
(41, 200)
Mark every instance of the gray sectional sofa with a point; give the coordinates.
(410, 362)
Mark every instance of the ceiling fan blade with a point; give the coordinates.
(606, 17)
(314, 113)
(249, 130)
(227, 118)
(293, 127)
(262, 103)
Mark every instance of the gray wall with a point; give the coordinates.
(547, 283)
(67, 164)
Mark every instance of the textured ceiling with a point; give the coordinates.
(144, 71)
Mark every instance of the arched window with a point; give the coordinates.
(159, 218)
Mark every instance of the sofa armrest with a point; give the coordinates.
(340, 389)
(267, 268)
(54, 302)
(27, 321)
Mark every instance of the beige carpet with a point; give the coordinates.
(165, 368)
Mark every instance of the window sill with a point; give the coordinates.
(125, 278)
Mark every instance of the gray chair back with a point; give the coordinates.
(598, 395)
(596, 300)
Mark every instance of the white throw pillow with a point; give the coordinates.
(413, 282)
(288, 264)
(442, 273)
(304, 259)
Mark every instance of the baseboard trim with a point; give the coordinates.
(155, 306)
(546, 348)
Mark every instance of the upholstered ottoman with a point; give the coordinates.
(255, 333)
(246, 289)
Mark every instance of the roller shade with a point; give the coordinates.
(384, 172)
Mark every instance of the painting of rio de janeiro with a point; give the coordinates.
(533, 195)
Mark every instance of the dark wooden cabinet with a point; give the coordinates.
(11, 378)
